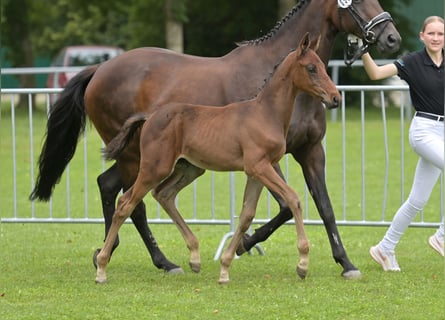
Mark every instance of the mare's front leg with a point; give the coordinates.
(110, 184)
(252, 193)
(312, 161)
(183, 174)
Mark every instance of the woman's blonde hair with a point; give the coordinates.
(431, 19)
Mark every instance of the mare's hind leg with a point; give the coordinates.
(252, 193)
(183, 174)
(312, 162)
(269, 177)
(109, 185)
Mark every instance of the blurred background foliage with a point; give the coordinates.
(31, 29)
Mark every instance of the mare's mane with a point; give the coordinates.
(276, 28)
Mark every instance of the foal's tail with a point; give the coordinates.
(65, 124)
(121, 140)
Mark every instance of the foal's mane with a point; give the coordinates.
(275, 29)
(272, 73)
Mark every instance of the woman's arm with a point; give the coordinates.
(376, 72)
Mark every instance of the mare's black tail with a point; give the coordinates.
(121, 140)
(65, 124)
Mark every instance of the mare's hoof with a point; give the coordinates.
(95, 257)
(196, 267)
(302, 273)
(177, 270)
(352, 274)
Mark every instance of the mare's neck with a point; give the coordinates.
(312, 17)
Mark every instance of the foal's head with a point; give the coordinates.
(309, 73)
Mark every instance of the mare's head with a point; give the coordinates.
(367, 20)
(309, 73)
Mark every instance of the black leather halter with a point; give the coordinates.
(369, 35)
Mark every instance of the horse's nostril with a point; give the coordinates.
(392, 39)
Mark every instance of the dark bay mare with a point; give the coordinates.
(247, 136)
(140, 80)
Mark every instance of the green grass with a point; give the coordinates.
(46, 270)
(46, 273)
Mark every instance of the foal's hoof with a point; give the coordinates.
(101, 281)
(352, 275)
(223, 279)
(101, 277)
(196, 267)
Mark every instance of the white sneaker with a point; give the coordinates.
(387, 259)
(436, 244)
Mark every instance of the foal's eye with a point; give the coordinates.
(311, 68)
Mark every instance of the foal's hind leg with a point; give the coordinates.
(110, 184)
(139, 219)
(252, 193)
(125, 206)
(166, 193)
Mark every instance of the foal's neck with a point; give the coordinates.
(279, 93)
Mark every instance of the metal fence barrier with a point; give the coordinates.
(76, 199)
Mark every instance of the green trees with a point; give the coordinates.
(32, 28)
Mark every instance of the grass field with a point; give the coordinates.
(46, 270)
(46, 273)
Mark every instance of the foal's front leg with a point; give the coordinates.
(269, 177)
(252, 193)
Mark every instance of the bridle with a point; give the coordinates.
(353, 50)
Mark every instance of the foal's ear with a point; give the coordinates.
(304, 43)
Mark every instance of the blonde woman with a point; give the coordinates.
(424, 72)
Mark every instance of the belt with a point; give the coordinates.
(429, 116)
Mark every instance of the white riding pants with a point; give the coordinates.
(426, 137)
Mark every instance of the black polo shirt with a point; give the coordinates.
(425, 80)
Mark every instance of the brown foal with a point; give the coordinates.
(247, 136)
